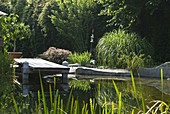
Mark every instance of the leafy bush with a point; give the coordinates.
(120, 48)
(56, 55)
(82, 58)
(5, 64)
(6, 81)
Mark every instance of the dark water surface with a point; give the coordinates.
(150, 88)
(100, 88)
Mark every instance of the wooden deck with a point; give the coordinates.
(37, 67)
(37, 64)
(29, 71)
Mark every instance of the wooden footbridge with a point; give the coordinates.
(33, 68)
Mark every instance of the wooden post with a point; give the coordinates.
(25, 79)
(65, 78)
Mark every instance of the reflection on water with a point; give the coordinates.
(149, 88)
(103, 90)
(156, 83)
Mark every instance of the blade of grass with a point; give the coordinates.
(43, 97)
(55, 81)
(69, 99)
(58, 105)
(62, 107)
(120, 103)
(71, 107)
(105, 106)
(133, 112)
(113, 108)
(162, 82)
(15, 105)
(133, 84)
(134, 87)
(51, 96)
(91, 106)
(116, 88)
(143, 105)
(55, 102)
(39, 103)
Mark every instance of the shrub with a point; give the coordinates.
(56, 55)
(6, 79)
(82, 58)
(5, 64)
(120, 48)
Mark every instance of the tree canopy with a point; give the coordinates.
(69, 23)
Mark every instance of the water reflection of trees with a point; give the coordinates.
(80, 84)
(105, 94)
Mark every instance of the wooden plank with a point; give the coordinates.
(38, 63)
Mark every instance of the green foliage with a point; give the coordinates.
(28, 12)
(55, 23)
(134, 61)
(12, 30)
(6, 81)
(5, 65)
(74, 23)
(78, 84)
(152, 5)
(142, 17)
(49, 32)
(123, 13)
(80, 58)
(123, 50)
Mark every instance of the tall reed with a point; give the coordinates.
(162, 83)
(57, 106)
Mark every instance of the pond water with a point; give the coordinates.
(86, 87)
(150, 89)
(101, 87)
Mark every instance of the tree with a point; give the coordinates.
(12, 30)
(149, 18)
(124, 13)
(29, 15)
(74, 22)
(49, 31)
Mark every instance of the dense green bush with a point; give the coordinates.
(80, 58)
(5, 64)
(6, 81)
(120, 48)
